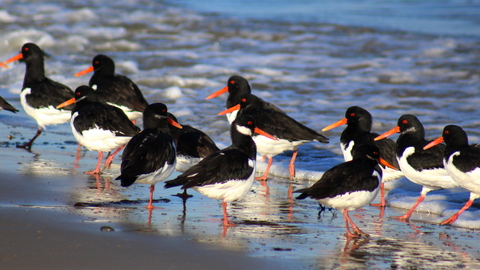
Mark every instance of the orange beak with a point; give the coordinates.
(433, 143)
(385, 163)
(15, 58)
(218, 93)
(83, 72)
(66, 103)
(336, 124)
(388, 133)
(174, 123)
(231, 109)
(263, 133)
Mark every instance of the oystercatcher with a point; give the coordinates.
(291, 133)
(228, 174)
(4, 105)
(99, 126)
(462, 162)
(115, 89)
(349, 185)
(423, 167)
(192, 145)
(40, 95)
(150, 156)
(236, 87)
(358, 133)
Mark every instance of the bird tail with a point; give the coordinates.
(304, 194)
(179, 181)
(126, 180)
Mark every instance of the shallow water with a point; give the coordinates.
(312, 61)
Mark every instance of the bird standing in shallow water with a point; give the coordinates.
(349, 185)
(290, 133)
(99, 126)
(228, 174)
(40, 95)
(358, 133)
(115, 89)
(150, 156)
(423, 167)
(462, 162)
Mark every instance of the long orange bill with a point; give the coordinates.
(385, 163)
(388, 133)
(15, 58)
(231, 109)
(83, 72)
(336, 124)
(3, 65)
(66, 103)
(218, 93)
(433, 143)
(174, 123)
(261, 132)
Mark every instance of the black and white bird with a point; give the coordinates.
(236, 87)
(115, 89)
(192, 145)
(150, 156)
(4, 105)
(228, 174)
(291, 134)
(357, 133)
(99, 126)
(349, 185)
(40, 95)
(423, 167)
(462, 162)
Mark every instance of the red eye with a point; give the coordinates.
(78, 94)
(352, 114)
(404, 121)
(96, 62)
(164, 110)
(375, 153)
(250, 123)
(232, 82)
(447, 132)
(244, 100)
(25, 49)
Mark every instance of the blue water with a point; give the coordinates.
(313, 59)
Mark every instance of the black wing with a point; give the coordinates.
(49, 93)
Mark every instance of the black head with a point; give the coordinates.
(103, 64)
(248, 99)
(454, 135)
(244, 124)
(31, 52)
(238, 84)
(85, 93)
(409, 123)
(156, 116)
(357, 114)
(369, 151)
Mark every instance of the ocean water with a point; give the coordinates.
(313, 59)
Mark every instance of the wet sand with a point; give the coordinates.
(55, 217)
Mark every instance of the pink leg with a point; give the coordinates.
(409, 213)
(109, 160)
(382, 194)
(346, 219)
(356, 230)
(97, 169)
(225, 216)
(291, 166)
(29, 144)
(265, 174)
(455, 217)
